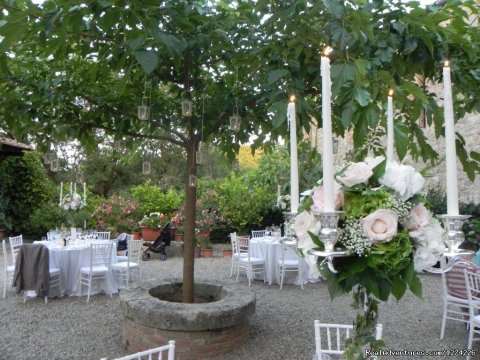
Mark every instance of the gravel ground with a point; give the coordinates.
(282, 327)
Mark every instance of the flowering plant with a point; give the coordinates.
(154, 220)
(116, 214)
(387, 232)
(283, 201)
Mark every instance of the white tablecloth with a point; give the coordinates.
(69, 259)
(270, 249)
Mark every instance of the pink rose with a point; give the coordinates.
(319, 196)
(356, 173)
(380, 225)
(419, 217)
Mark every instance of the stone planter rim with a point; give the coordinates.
(236, 307)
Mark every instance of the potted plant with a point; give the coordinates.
(178, 220)
(137, 235)
(151, 225)
(207, 249)
(227, 250)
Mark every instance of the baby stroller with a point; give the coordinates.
(159, 245)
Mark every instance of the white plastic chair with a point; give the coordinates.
(330, 338)
(8, 270)
(250, 264)
(123, 271)
(103, 235)
(258, 233)
(148, 354)
(289, 262)
(472, 281)
(454, 293)
(99, 269)
(15, 243)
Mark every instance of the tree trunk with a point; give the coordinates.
(189, 239)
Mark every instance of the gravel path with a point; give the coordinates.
(282, 327)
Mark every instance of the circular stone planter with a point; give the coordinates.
(217, 324)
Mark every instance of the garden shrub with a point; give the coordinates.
(117, 214)
(152, 198)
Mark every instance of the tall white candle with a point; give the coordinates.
(294, 188)
(450, 151)
(84, 193)
(74, 188)
(61, 193)
(279, 191)
(71, 188)
(390, 130)
(327, 153)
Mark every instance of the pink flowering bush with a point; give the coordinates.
(116, 214)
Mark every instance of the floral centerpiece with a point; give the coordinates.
(387, 232)
(72, 202)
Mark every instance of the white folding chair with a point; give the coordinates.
(251, 264)
(15, 243)
(99, 269)
(148, 354)
(330, 338)
(235, 253)
(454, 293)
(123, 271)
(258, 233)
(103, 235)
(472, 280)
(8, 270)
(289, 262)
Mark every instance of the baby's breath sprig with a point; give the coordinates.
(353, 239)
(402, 208)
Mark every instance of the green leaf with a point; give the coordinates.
(399, 287)
(334, 7)
(362, 96)
(379, 170)
(136, 43)
(402, 142)
(174, 44)
(279, 113)
(50, 18)
(415, 286)
(148, 60)
(275, 75)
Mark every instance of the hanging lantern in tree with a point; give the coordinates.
(143, 110)
(48, 157)
(54, 165)
(199, 155)
(146, 168)
(187, 107)
(235, 120)
(192, 181)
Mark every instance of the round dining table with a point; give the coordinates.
(270, 249)
(70, 258)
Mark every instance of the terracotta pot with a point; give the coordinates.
(178, 236)
(197, 251)
(149, 234)
(137, 235)
(207, 253)
(227, 252)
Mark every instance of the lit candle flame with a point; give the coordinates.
(390, 92)
(327, 51)
(447, 63)
(292, 98)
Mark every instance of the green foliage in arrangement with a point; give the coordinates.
(153, 199)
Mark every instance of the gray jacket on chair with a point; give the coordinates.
(31, 269)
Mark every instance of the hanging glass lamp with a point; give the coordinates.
(187, 107)
(146, 168)
(54, 165)
(143, 112)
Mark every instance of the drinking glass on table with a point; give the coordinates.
(268, 231)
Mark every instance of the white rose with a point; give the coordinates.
(305, 222)
(356, 173)
(403, 179)
(380, 225)
(430, 235)
(419, 217)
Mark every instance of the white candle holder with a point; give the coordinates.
(328, 235)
